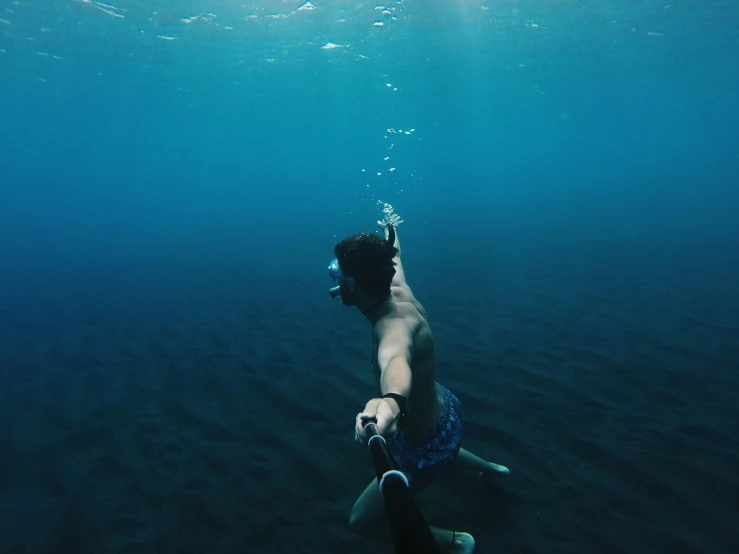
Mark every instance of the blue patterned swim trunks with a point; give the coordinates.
(423, 458)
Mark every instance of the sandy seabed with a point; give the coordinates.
(205, 418)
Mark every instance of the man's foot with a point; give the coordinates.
(463, 543)
(495, 470)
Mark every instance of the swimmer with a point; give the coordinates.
(422, 416)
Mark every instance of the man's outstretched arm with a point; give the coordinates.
(394, 357)
(394, 360)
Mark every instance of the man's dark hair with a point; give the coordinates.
(367, 258)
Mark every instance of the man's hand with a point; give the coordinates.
(384, 412)
(393, 219)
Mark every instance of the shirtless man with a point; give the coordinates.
(423, 416)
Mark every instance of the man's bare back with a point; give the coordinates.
(426, 401)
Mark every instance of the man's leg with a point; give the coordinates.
(467, 461)
(369, 519)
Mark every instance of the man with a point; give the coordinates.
(423, 416)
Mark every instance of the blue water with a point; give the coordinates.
(174, 175)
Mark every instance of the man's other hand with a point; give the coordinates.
(380, 411)
(394, 219)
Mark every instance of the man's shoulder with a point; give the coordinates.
(405, 302)
(401, 289)
(404, 317)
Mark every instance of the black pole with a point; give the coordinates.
(411, 534)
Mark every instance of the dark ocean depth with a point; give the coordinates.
(174, 377)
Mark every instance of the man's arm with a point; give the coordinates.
(394, 353)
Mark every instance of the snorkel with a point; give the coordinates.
(334, 271)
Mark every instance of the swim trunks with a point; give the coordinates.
(423, 458)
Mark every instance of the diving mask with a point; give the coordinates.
(334, 271)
